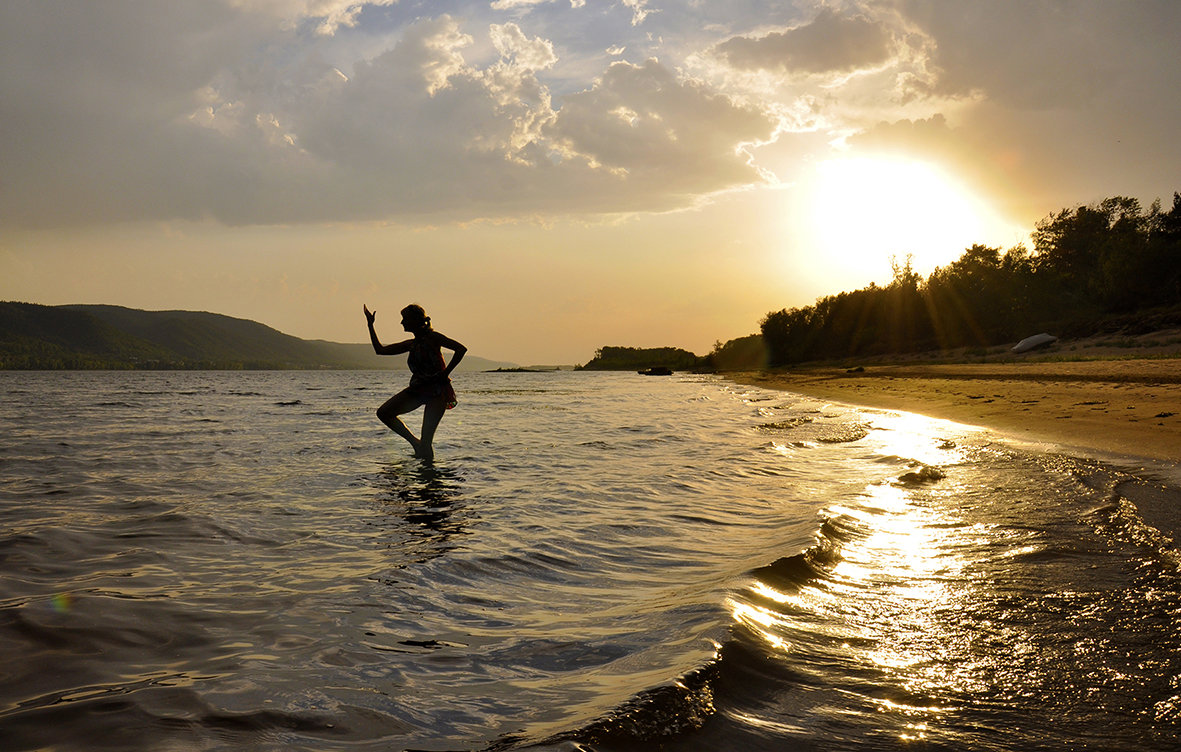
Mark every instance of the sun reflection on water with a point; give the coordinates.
(886, 578)
(920, 438)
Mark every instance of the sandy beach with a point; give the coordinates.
(1128, 407)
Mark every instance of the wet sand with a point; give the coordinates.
(1121, 407)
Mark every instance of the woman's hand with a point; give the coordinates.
(369, 315)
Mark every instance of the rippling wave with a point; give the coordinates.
(596, 562)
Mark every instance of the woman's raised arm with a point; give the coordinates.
(380, 349)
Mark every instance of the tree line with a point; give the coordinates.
(613, 358)
(1103, 267)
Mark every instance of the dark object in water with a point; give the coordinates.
(921, 476)
(656, 371)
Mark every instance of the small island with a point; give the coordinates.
(643, 359)
(527, 369)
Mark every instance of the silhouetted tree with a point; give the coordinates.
(1106, 259)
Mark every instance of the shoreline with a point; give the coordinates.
(1130, 408)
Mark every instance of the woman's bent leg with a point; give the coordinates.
(400, 404)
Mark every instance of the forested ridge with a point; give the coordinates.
(87, 337)
(1111, 266)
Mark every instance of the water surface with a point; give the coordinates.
(595, 561)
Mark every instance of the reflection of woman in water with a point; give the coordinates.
(430, 382)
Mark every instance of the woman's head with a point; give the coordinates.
(414, 319)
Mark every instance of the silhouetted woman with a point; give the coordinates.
(430, 382)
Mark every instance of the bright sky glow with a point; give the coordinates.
(550, 177)
(864, 213)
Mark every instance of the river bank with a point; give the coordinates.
(1126, 407)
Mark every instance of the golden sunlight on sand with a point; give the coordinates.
(1122, 407)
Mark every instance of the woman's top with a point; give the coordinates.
(425, 360)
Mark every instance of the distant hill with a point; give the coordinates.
(100, 336)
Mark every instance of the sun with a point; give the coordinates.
(860, 213)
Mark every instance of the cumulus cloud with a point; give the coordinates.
(329, 15)
(1028, 100)
(830, 43)
(642, 122)
(418, 113)
(514, 4)
(95, 105)
(495, 141)
(134, 119)
(265, 111)
(913, 135)
(520, 51)
(1047, 54)
(640, 10)
(1062, 98)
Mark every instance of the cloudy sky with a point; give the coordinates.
(550, 176)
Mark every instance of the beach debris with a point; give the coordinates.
(1034, 342)
(787, 425)
(924, 475)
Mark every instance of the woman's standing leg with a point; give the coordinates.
(431, 415)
